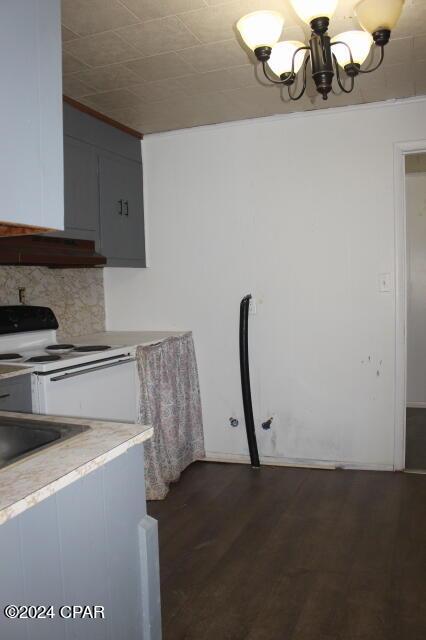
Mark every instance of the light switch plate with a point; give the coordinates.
(385, 283)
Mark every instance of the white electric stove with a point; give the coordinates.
(90, 381)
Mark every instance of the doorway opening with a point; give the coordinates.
(402, 152)
(415, 221)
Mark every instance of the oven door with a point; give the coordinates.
(105, 391)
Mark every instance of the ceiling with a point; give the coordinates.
(156, 65)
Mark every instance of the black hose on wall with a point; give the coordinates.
(245, 381)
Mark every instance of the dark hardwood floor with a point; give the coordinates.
(293, 554)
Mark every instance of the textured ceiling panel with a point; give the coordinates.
(157, 65)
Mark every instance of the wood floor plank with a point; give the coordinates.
(293, 554)
(218, 541)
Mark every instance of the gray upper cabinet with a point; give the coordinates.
(121, 206)
(31, 162)
(81, 189)
(104, 188)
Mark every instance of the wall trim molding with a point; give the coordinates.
(401, 149)
(416, 405)
(102, 117)
(315, 113)
(327, 465)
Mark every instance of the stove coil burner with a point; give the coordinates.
(43, 359)
(92, 347)
(60, 347)
(10, 356)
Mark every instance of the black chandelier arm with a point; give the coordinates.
(359, 70)
(338, 78)
(267, 76)
(290, 75)
(382, 56)
(305, 48)
(347, 47)
(303, 89)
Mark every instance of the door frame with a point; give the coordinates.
(401, 149)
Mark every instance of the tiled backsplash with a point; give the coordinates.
(75, 295)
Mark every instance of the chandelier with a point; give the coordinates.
(340, 56)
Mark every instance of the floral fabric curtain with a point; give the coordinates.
(170, 401)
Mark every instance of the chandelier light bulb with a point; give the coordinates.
(359, 43)
(261, 28)
(374, 15)
(281, 59)
(308, 10)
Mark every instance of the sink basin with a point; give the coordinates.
(19, 438)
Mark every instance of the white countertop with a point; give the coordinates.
(124, 338)
(12, 370)
(33, 479)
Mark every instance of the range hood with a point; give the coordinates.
(42, 251)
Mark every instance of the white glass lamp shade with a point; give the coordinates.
(359, 42)
(378, 14)
(307, 10)
(281, 59)
(261, 28)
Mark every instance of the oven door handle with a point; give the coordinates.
(73, 374)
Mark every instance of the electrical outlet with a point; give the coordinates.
(252, 307)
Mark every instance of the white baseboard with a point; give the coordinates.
(365, 466)
(416, 405)
(213, 456)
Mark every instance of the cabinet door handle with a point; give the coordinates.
(120, 202)
(126, 202)
(5, 395)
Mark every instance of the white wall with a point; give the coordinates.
(416, 289)
(299, 211)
